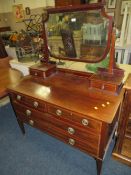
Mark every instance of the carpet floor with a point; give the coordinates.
(39, 154)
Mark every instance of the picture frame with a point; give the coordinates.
(27, 10)
(111, 4)
(123, 6)
(18, 12)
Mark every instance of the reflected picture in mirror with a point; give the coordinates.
(79, 35)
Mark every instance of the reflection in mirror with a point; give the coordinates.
(79, 35)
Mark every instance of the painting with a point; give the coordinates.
(111, 4)
(18, 12)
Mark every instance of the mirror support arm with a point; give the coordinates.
(45, 57)
(112, 63)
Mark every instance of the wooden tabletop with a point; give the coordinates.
(8, 76)
(71, 93)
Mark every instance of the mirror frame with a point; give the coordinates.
(93, 6)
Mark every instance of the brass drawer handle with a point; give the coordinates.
(58, 112)
(85, 122)
(36, 104)
(31, 122)
(18, 97)
(71, 141)
(71, 130)
(36, 73)
(28, 112)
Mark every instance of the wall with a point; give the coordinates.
(118, 18)
(6, 5)
(7, 16)
(37, 6)
(2, 20)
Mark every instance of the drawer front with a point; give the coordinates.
(75, 131)
(59, 134)
(110, 87)
(103, 86)
(36, 73)
(73, 141)
(50, 129)
(28, 101)
(50, 124)
(82, 121)
(37, 123)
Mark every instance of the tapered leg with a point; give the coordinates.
(21, 125)
(99, 166)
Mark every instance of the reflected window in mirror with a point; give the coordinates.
(78, 35)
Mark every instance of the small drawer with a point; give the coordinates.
(28, 101)
(36, 73)
(95, 84)
(42, 70)
(110, 87)
(80, 120)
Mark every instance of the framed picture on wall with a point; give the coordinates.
(111, 4)
(18, 12)
(124, 4)
(27, 10)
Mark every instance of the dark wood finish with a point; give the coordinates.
(111, 84)
(42, 71)
(3, 53)
(8, 77)
(70, 55)
(64, 103)
(68, 110)
(99, 166)
(93, 6)
(122, 151)
(4, 62)
(59, 3)
(4, 29)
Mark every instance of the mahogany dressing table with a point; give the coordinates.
(79, 108)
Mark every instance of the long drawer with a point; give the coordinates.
(79, 137)
(84, 121)
(62, 114)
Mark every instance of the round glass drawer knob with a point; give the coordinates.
(28, 112)
(31, 122)
(71, 141)
(36, 104)
(18, 97)
(58, 112)
(85, 122)
(71, 130)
